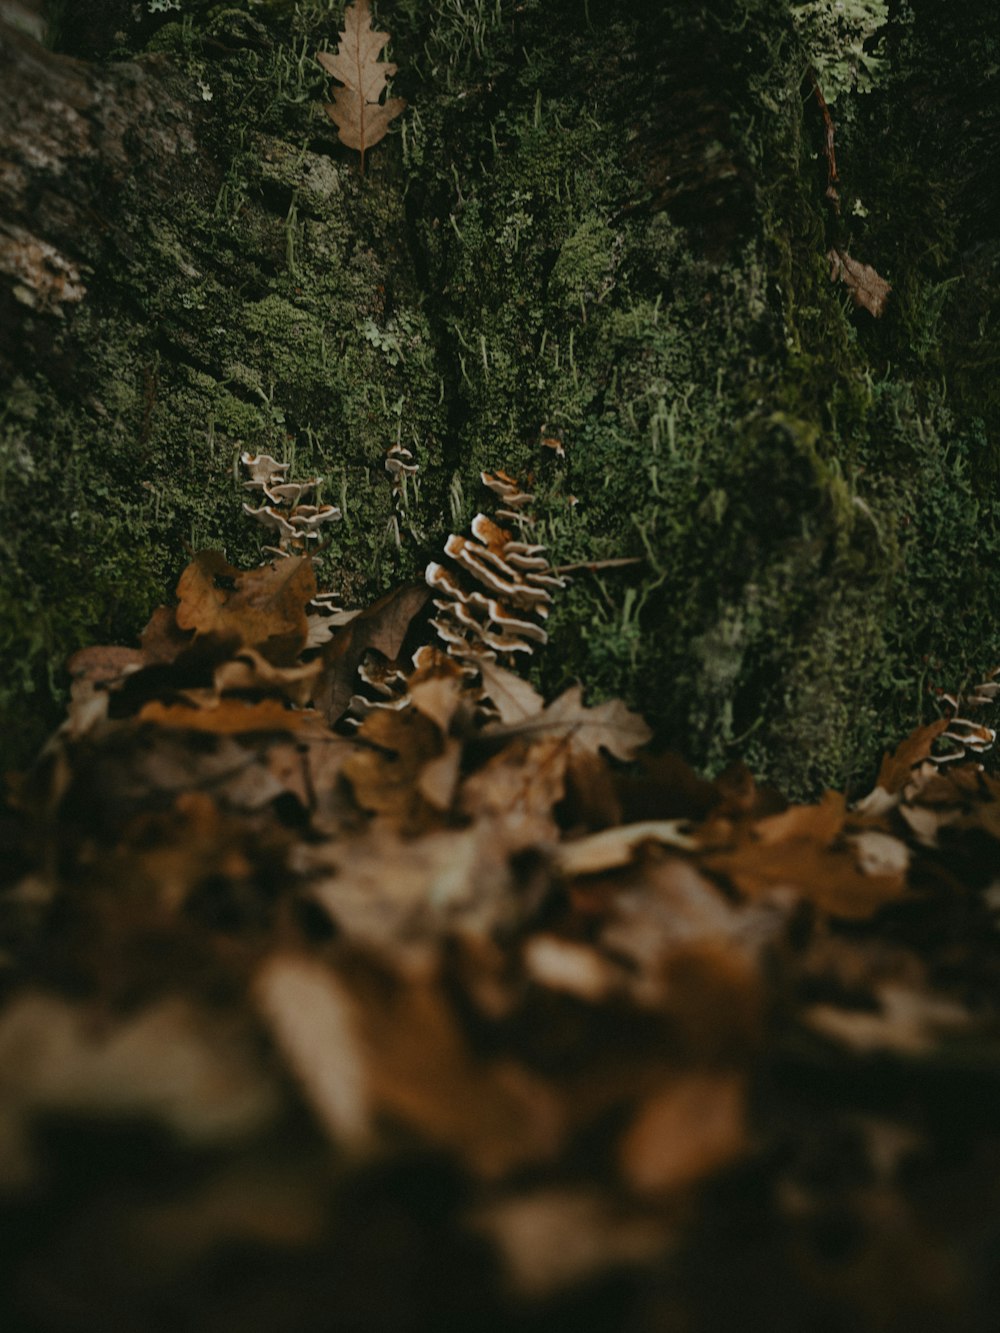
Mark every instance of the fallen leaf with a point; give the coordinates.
(820, 822)
(438, 698)
(495, 1114)
(251, 788)
(361, 119)
(592, 797)
(868, 289)
(230, 717)
(88, 708)
(692, 951)
(187, 844)
(908, 1021)
(398, 898)
(801, 851)
(250, 671)
(288, 766)
(313, 1020)
(384, 770)
(104, 666)
(382, 627)
(897, 768)
(323, 755)
(174, 1063)
(514, 698)
(570, 967)
(609, 726)
(690, 1128)
(264, 607)
(438, 780)
(616, 847)
(518, 790)
(879, 853)
(554, 1238)
(163, 639)
(669, 905)
(828, 877)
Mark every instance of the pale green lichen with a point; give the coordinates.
(839, 39)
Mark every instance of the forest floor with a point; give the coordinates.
(478, 1015)
(347, 982)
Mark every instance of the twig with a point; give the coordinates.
(593, 565)
(832, 179)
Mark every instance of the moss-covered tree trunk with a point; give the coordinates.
(598, 224)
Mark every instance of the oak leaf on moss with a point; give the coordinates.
(361, 118)
(382, 626)
(869, 290)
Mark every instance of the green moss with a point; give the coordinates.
(551, 242)
(248, 298)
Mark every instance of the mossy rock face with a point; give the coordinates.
(596, 225)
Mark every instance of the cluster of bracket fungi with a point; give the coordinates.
(295, 523)
(493, 595)
(491, 601)
(492, 592)
(504, 615)
(964, 736)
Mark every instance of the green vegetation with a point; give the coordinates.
(550, 244)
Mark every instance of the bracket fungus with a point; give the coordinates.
(296, 524)
(503, 615)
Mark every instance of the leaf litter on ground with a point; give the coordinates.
(505, 947)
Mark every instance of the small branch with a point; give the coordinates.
(832, 179)
(591, 566)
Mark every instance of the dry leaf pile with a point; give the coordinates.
(456, 1020)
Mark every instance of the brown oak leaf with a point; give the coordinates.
(689, 1128)
(361, 119)
(384, 770)
(381, 627)
(829, 877)
(231, 717)
(104, 665)
(897, 768)
(265, 607)
(494, 1114)
(608, 726)
(518, 789)
(163, 640)
(513, 697)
